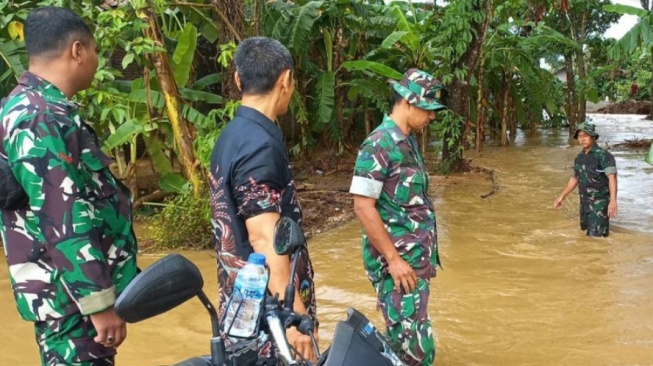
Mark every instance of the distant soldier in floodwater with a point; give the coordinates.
(595, 172)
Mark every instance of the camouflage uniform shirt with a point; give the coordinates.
(390, 169)
(592, 170)
(72, 249)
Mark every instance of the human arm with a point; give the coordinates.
(260, 229)
(110, 327)
(609, 166)
(259, 178)
(402, 273)
(44, 151)
(372, 170)
(612, 185)
(571, 185)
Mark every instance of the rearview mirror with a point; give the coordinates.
(288, 236)
(162, 286)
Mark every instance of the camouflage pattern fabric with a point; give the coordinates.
(390, 169)
(594, 217)
(588, 128)
(69, 341)
(592, 170)
(73, 249)
(420, 89)
(409, 330)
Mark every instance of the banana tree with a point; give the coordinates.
(13, 58)
(293, 25)
(638, 37)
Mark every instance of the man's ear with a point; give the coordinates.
(286, 79)
(237, 79)
(76, 51)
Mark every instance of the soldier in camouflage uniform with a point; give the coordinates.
(71, 249)
(595, 172)
(390, 187)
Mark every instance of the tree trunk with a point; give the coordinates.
(572, 111)
(369, 119)
(183, 132)
(459, 104)
(504, 112)
(512, 116)
(231, 17)
(582, 101)
(650, 114)
(459, 99)
(480, 108)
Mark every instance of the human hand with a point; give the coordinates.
(403, 275)
(111, 329)
(612, 209)
(302, 343)
(558, 202)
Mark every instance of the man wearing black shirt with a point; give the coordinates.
(251, 182)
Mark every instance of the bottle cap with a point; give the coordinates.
(257, 258)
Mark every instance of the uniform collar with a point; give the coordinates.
(592, 149)
(395, 132)
(260, 119)
(30, 81)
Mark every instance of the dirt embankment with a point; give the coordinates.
(323, 182)
(627, 107)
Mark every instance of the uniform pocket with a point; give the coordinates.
(100, 182)
(399, 306)
(410, 188)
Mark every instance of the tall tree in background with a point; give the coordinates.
(472, 15)
(580, 20)
(638, 37)
(230, 18)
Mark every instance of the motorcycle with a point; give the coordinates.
(173, 280)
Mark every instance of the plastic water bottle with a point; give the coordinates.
(251, 284)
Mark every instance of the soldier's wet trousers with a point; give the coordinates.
(69, 341)
(407, 320)
(594, 216)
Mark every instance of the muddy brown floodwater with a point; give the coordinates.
(521, 284)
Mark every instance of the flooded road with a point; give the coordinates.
(521, 285)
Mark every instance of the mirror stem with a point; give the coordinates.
(289, 297)
(215, 328)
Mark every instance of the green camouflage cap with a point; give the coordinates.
(588, 128)
(420, 89)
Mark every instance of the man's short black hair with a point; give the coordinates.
(49, 30)
(259, 62)
(396, 98)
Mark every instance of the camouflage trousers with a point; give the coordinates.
(594, 216)
(69, 342)
(407, 320)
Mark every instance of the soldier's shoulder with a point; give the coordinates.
(601, 152)
(381, 135)
(24, 103)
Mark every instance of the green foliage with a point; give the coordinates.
(344, 52)
(640, 35)
(183, 222)
(184, 54)
(448, 129)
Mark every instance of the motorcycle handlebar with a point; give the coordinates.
(280, 338)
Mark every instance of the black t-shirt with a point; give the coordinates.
(250, 175)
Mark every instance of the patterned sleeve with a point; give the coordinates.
(259, 180)
(608, 164)
(576, 169)
(370, 170)
(44, 152)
